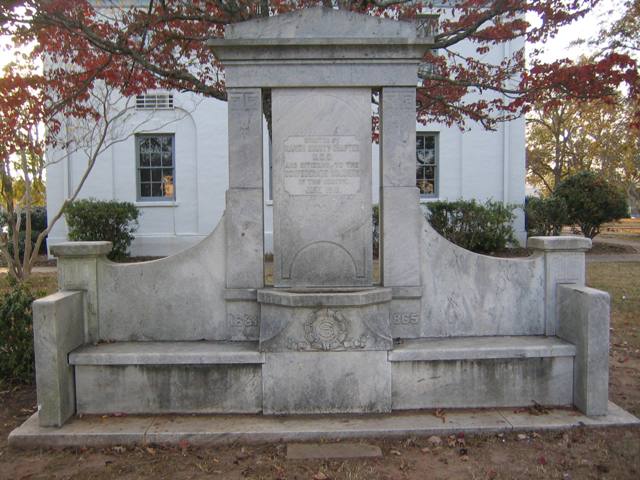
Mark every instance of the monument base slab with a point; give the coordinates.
(204, 430)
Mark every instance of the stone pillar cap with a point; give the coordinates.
(565, 243)
(81, 249)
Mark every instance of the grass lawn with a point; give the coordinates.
(577, 454)
(41, 284)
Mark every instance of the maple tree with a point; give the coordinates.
(162, 44)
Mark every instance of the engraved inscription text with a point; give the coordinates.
(322, 165)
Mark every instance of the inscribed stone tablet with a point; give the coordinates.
(322, 165)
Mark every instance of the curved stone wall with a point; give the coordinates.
(467, 294)
(175, 298)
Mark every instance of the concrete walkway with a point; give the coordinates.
(97, 431)
(34, 270)
(628, 241)
(619, 257)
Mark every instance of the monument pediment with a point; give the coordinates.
(316, 23)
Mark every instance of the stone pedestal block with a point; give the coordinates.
(326, 382)
(563, 264)
(78, 270)
(326, 350)
(583, 319)
(58, 328)
(325, 321)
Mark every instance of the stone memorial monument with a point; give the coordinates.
(200, 332)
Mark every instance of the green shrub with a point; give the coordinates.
(477, 227)
(38, 224)
(93, 220)
(545, 216)
(16, 336)
(591, 201)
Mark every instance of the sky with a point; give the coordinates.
(559, 47)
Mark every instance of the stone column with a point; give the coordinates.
(583, 319)
(400, 208)
(78, 270)
(244, 224)
(58, 322)
(563, 264)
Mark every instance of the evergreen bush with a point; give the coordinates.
(94, 220)
(477, 227)
(591, 201)
(545, 216)
(16, 336)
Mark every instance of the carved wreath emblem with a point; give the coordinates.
(326, 329)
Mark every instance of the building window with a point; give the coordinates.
(156, 166)
(154, 101)
(427, 164)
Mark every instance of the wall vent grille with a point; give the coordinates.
(154, 101)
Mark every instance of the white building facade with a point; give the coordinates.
(172, 164)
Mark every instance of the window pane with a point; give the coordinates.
(155, 163)
(154, 144)
(426, 163)
(155, 159)
(429, 142)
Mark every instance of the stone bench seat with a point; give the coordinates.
(480, 348)
(168, 377)
(168, 353)
(492, 371)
